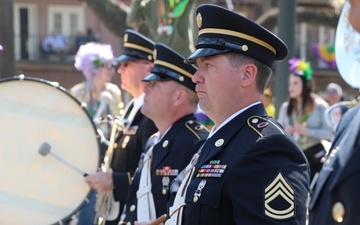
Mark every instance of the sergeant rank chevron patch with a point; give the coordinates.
(279, 199)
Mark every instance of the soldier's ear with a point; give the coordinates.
(180, 96)
(249, 74)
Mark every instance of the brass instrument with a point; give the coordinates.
(106, 207)
(328, 111)
(347, 49)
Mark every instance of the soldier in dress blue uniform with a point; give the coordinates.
(335, 197)
(249, 170)
(136, 62)
(170, 101)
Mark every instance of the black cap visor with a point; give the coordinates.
(124, 58)
(204, 52)
(155, 77)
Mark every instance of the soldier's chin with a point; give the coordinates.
(203, 104)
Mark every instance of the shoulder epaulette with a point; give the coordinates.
(194, 126)
(258, 123)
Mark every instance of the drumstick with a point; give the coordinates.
(45, 149)
(159, 220)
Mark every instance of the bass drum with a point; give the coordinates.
(37, 189)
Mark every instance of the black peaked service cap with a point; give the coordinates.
(221, 31)
(136, 47)
(169, 65)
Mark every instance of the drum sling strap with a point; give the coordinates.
(176, 211)
(145, 199)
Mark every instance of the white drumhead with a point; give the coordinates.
(38, 189)
(347, 49)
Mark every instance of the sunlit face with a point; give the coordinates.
(295, 86)
(158, 99)
(217, 84)
(131, 73)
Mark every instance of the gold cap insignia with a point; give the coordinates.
(280, 188)
(219, 142)
(199, 20)
(126, 38)
(338, 212)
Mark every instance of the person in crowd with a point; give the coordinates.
(136, 62)
(80, 39)
(334, 95)
(100, 97)
(268, 102)
(249, 170)
(55, 43)
(97, 63)
(303, 114)
(170, 101)
(91, 36)
(168, 22)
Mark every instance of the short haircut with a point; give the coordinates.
(264, 71)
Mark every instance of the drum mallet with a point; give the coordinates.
(45, 150)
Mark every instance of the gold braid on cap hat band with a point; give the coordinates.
(138, 47)
(237, 34)
(171, 66)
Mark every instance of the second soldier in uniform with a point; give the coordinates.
(170, 101)
(249, 170)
